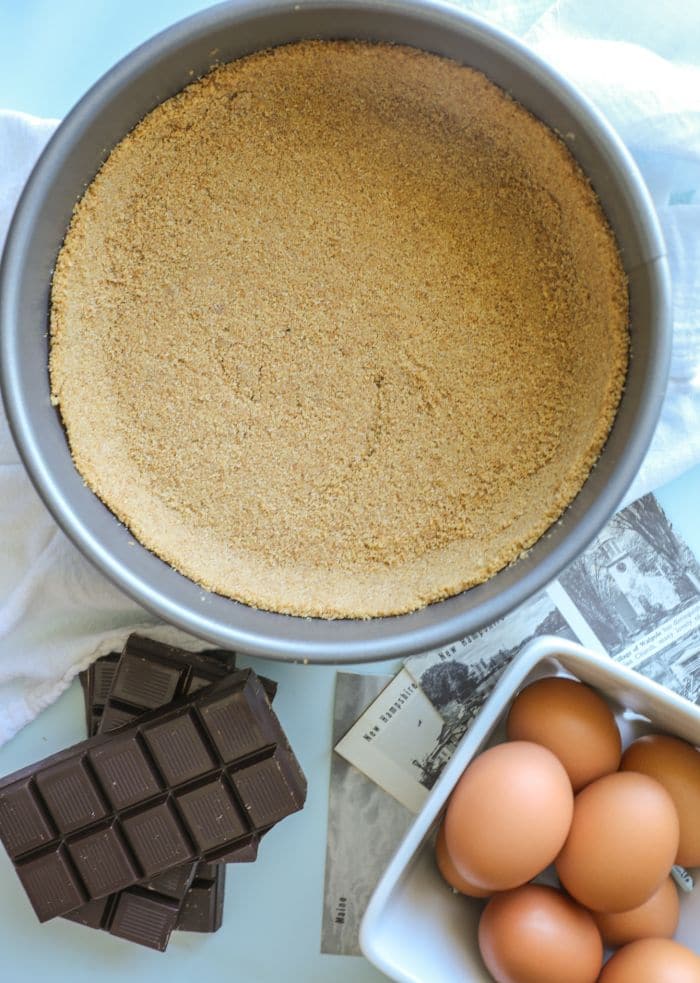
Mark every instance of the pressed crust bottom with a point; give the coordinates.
(339, 330)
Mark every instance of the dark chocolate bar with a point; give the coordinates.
(189, 783)
(145, 663)
(203, 907)
(147, 914)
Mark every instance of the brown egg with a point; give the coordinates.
(450, 872)
(573, 721)
(622, 843)
(508, 815)
(535, 935)
(652, 961)
(656, 918)
(677, 766)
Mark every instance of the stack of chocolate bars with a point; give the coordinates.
(185, 769)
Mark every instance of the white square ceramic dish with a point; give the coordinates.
(416, 929)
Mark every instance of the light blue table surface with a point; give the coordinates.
(50, 52)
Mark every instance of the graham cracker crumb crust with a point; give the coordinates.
(339, 330)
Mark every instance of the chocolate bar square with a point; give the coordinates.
(71, 795)
(51, 883)
(144, 918)
(178, 749)
(127, 776)
(212, 815)
(145, 689)
(23, 819)
(157, 839)
(236, 726)
(266, 787)
(103, 861)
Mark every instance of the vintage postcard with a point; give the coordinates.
(401, 717)
(637, 587)
(365, 825)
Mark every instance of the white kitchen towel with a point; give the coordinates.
(57, 613)
(640, 63)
